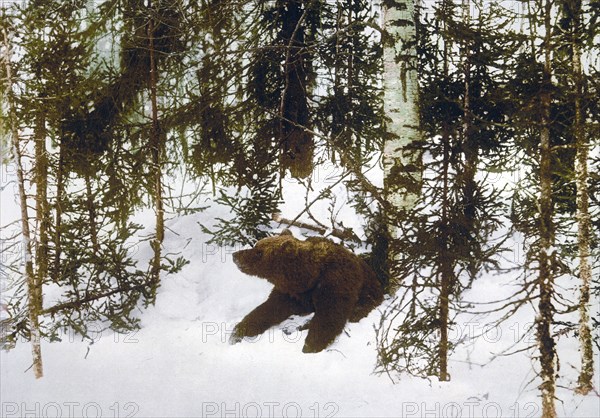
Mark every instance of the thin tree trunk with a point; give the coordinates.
(545, 340)
(338, 77)
(586, 374)
(41, 202)
(470, 147)
(350, 78)
(402, 161)
(60, 185)
(34, 308)
(156, 150)
(445, 265)
(91, 206)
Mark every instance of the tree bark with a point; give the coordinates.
(297, 146)
(60, 186)
(445, 264)
(545, 317)
(41, 204)
(586, 375)
(470, 147)
(91, 207)
(156, 148)
(402, 158)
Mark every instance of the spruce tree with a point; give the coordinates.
(447, 238)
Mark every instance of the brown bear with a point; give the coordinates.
(315, 275)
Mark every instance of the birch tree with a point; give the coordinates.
(446, 239)
(573, 10)
(401, 154)
(34, 305)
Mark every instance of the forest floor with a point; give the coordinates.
(179, 364)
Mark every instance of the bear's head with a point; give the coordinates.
(283, 260)
(260, 260)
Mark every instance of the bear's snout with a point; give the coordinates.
(237, 257)
(243, 259)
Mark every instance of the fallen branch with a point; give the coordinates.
(91, 298)
(346, 234)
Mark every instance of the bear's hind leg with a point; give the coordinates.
(326, 325)
(332, 310)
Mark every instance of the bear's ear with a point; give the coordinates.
(286, 232)
(287, 249)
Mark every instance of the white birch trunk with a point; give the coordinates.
(32, 286)
(586, 374)
(401, 162)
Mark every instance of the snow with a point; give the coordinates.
(180, 364)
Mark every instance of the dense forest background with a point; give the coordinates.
(481, 118)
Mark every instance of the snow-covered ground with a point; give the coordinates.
(179, 364)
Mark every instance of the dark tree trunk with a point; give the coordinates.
(545, 318)
(156, 148)
(445, 263)
(91, 207)
(296, 142)
(41, 203)
(60, 187)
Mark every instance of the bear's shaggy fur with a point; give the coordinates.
(315, 275)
